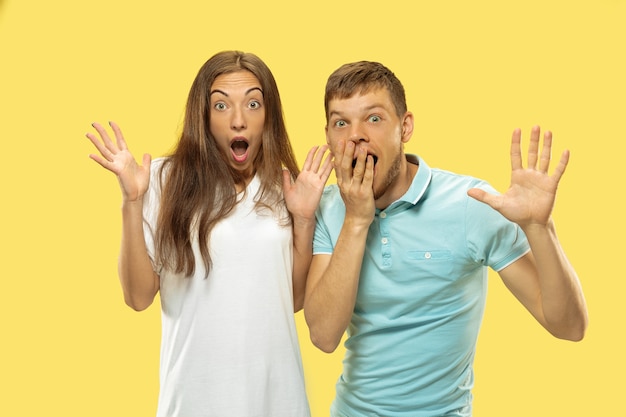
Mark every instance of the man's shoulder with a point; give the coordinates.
(452, 175)
(331, 194)
(442, 178)
(331, 205)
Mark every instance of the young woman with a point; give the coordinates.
(222, 228)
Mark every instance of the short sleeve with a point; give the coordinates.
(329, 217)
(321, 239)
(492, 239)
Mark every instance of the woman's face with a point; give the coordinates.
(237, 117)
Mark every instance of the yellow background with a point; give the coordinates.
(473, 71)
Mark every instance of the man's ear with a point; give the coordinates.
(408, 122)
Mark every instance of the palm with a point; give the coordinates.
(531, 195)
(115, 157)
(303, 195)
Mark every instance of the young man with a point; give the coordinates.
(401, 252)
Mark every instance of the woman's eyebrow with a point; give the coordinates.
(226, 94)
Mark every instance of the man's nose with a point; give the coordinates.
(357, 134)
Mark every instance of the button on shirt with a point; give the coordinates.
(421, 296)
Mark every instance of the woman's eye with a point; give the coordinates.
(374, 118)
(254, 104)
(219, 106)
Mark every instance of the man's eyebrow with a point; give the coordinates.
(364, 109)
(225, 94)
(374, 106)
(334, 113)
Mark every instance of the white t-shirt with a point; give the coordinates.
(229, 345)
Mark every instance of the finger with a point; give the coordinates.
(105, 137)
(368, 176)
(121, 142)
(358, 172)
(533, 147)
(308, 162)
(99, 160)
(546, 152)
(286, 178)
(147, 160)
(338, 160)
(319, 157)
(483, 196)
(560, 168)
(327, 167)
(516, 151)
(100, 146)
(102, 162)
(346, 161)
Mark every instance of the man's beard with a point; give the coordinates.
(392, 174)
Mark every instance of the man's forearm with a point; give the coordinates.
(330, 299)
(563, 302)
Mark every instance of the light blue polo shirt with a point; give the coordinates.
(421, 297)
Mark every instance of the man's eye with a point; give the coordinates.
(374, 118)
(340, 123)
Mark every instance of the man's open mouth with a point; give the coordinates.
(373, 156)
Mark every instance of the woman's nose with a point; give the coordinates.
(238, 121)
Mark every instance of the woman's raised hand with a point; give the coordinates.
(115, 157)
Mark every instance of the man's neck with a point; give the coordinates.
(408, 170)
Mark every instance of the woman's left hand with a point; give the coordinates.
(303, 196)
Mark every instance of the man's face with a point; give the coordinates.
(371, 122)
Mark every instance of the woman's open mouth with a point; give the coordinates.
(239, 149)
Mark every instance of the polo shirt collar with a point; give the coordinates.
(420, 181)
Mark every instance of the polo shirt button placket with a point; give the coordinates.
(386, 250)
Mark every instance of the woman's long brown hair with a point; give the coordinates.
(198, 187)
